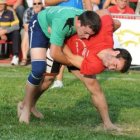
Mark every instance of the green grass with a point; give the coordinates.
(69, 114)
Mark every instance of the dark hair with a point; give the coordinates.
(91, 19)
(124, 54)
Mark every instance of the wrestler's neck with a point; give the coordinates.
(106, 55)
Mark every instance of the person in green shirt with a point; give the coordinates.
(52, 26)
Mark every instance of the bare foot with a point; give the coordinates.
(36, 113)
(24, 116)
(112, 127)
(19, 109)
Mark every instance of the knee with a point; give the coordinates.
(38, 69)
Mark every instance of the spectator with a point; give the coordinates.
(121, 7)
(9, 29)
(29, 3)
(17, 5)
(37, 6)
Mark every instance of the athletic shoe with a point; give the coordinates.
(57, 84)
(15, 60)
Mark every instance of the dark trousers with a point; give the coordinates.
(16, 41)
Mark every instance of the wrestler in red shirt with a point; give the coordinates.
(89, 49)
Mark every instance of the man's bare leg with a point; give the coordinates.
(19, 109)
(48, 80)
(98, 100)
(100, 103)
(31, 91)
(26, 105)
(33, 110)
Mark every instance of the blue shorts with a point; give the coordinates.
(36, 36)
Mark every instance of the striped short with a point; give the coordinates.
(52, 67)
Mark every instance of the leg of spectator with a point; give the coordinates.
(15, 38)
(24, 48)
(61, 72)
(20, 11)
(58, 83)
(44, 86)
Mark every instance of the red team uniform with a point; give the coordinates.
(127, 10)
(90, 48)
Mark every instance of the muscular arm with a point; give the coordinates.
(87, 5)
(117, 24)
(75, 60)
(104, 12)
(57, 54)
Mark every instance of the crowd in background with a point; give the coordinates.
(15, 16)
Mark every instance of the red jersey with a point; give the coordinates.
(90, 48)
(114, 9)
(11, 2)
